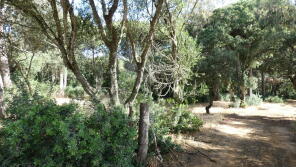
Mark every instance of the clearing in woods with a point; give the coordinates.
(263, 136)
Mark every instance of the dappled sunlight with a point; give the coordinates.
(241, 132)
(252, 136)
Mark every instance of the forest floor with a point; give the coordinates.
(262, 136)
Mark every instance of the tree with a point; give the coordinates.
(280, 22)
(235, 30)
(62, 35)
(142, 59)
(174, 53)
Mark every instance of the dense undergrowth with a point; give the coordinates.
(41, 133)
(38, 132)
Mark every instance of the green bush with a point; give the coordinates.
(253, 100)
(44, 88)
(41, 133)
(274, 99)
(179, 120)
(159, 132)
(75, 92)
(225, 97)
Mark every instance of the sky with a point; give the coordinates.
(222, 3)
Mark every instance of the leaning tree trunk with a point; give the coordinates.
(211, 99)
(143, 57)
(143, 134)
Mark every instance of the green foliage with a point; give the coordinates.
(41, 133)
(179, 120)
(274, 99)
(252, 82)
(126, 82)
(159, 132)
(45, 88)
(253, 100)
(225, 97)
(287, 91)
(75, 92)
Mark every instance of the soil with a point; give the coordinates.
(263, 136)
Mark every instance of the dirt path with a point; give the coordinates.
(263, 136)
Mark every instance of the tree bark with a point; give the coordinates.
(212, 92)
(143, 134)
(4, 62)
(250, 76)
(241, 83)
(63, 80)
(209, 106)
(114, 97)
(293, 80)
(263, 85)
(2, 109)
(5, 72)
(242, 96)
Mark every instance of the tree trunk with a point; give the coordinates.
(53, 76)
(143, 134)
(2, 109)
(143, 58)
(4, 63)
(215, 91)
(241, 83)
(209, 106)
(293, 80)
(137, 85)
(263, 85)
(61, 80)
(114, 97)
(242, 96)
(250, 76)
(212, 97)
(65, 78)
(5, 72)
(73, 66)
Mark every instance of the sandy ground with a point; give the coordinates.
(263, 136)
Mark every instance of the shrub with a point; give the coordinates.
(74, 92)
(41, 133)
(159, 132)
(274, 99)
(179, 119)
(225, 97)
(253, 100)
(45, 89)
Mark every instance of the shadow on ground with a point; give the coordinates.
(240, 141)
